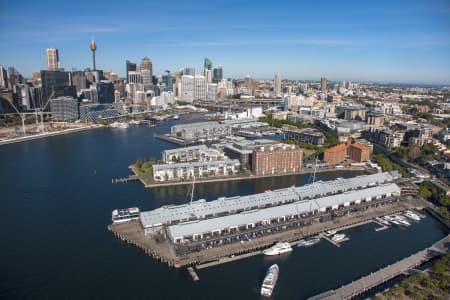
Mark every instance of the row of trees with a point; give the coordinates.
(428, 191)
(388, 165)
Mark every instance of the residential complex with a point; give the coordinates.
(276, 159)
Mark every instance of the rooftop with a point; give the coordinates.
(337, 148)
(202, 208)
(299, 207)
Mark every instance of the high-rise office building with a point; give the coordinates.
(52, 59)
(212, 92)
(187, 88)
(277, 85)
(15, 77)
(78, 79)
(207, 65)
(200, 85)
(217, 74)
(3, 77)
(167, 80)
(105, 91)
(187, 71)
(146, 64)
(130, 67)
(134, 77)
(56, 83)
(323, 84)
(146, 78)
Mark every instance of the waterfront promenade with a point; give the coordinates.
(47, 134)
(145, 179)
(383, 275)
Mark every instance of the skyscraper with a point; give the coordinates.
(217, 74)
(200, 87)
(323, 84)
(207, 65)
(130, 67)
(277, 85)
(167, 80)
(187, 88)
(146, 64)
(52, 59)
(3, 77)
(56, 83)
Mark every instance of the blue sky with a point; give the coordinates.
(388, 41)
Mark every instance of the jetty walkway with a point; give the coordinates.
(383, 275)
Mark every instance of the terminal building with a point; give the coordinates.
(200, 169)
(205, 222)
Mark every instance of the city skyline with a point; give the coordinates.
(404, 42)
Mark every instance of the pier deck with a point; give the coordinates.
(160, 249)
(383, 275)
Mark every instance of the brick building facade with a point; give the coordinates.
(276, 159)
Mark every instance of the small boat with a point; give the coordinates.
(125, 214)
(278, 248)
(330, 232)
(119, 125)
(413, 216)
(338, 237)
(382, 221)
(308, 242)
(176, 117)
(270, 280)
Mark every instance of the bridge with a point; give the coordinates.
(401, 267)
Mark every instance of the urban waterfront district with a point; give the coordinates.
(57, 203)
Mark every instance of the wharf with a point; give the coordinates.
(160, 248)
(230, 178)
(401, 267)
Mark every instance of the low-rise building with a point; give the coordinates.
(64, 109)
(335, 154)
(193, 153)
(359, 152)
(202, 169)
(305, 135)
(276, 159)
(243, 149)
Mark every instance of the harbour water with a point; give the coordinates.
(56, 198)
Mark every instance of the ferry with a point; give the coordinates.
(308, 242)
(338, 237)
(278, 248)
(270, 281)
(125, 214)
(413, 216)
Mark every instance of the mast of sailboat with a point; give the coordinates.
(192, 192)
(314, 173)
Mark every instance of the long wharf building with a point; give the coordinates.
(320, 196)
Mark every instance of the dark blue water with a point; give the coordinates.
(56, 200)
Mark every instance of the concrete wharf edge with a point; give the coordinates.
(141, 178)
(163, 252)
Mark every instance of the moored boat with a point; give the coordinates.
(278, 248)
(413, 216)
(270, 280)
(308, 242)
(338, 237)
(125, 214)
